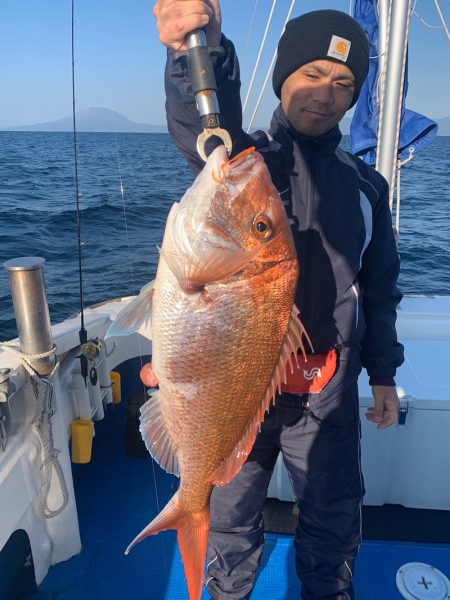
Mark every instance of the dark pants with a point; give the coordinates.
(319, 438)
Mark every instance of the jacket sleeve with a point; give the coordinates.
(381, 353)
(182, 116)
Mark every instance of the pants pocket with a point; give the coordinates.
(341, 413)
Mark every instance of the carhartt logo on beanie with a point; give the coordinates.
(322, 34)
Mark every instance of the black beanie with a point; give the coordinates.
(322, 34)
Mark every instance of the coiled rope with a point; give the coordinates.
(43, 387)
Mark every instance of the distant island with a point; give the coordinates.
(104, 120)
(101, 120)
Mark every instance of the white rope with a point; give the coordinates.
(269, 71)
(259, 55)
(400, 164)
(43, 391)
(24, 359)
(397, 205)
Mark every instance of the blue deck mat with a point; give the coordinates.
(116, 498)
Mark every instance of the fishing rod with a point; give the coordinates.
(198, 57)
(82, 333)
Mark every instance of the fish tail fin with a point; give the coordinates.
(192, 534)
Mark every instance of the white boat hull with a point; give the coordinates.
(407, 464)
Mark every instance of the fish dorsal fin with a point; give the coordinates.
(136, 316)
(156, 437)
(293, 341)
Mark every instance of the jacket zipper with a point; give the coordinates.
(310, 211)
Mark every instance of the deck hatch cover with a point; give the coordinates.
(419, 581)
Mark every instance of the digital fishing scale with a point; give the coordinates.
(198, 56)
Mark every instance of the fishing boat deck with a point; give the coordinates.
(116, 497)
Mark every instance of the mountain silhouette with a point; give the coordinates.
(95, 120)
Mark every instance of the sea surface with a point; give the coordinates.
(120, 231)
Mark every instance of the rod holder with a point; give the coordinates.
(26, 276)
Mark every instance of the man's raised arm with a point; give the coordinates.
(175, 19)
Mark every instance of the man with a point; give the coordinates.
(346, 293)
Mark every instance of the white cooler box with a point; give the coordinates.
(408, 463)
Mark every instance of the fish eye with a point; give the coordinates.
(262, 227)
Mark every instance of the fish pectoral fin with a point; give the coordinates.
(136, 316)
(293, 341)
(156, 436)
(220, 263)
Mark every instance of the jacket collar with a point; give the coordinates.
(327, 142)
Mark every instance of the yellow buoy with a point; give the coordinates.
(115, 380)
(82, 433)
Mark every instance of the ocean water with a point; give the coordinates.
(120, 231)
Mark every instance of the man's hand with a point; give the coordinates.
(176, 18)
(385, 411)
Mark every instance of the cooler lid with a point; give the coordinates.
(419, 581)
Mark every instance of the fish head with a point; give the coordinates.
(230, 223)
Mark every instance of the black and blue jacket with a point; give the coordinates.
(339, 214)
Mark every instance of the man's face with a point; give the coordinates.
(316, 96)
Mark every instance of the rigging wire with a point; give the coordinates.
(269, 71)
(133, 287)
(250, 29)
(259, 54)
(444, 24)
(82, 332)
(122, 195)
(424, 22)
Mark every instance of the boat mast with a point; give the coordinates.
(393, 42)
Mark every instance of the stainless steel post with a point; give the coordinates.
(392, 95)
(26, 277)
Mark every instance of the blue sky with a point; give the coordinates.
(120, 62)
